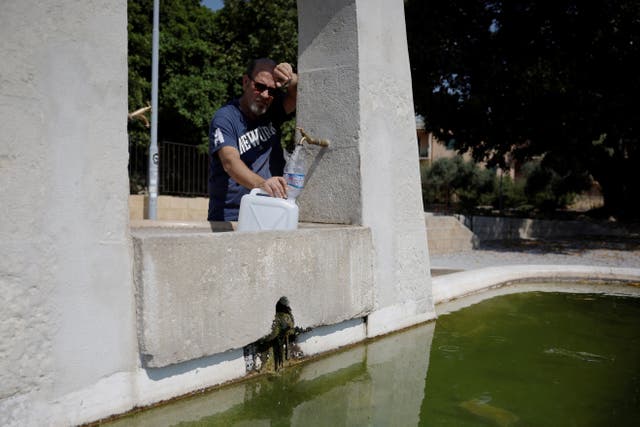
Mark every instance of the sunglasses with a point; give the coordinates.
(261, 87)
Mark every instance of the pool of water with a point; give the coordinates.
(522, 359)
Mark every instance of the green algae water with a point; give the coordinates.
(524, 359)
(537, 359)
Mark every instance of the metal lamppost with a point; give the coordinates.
(154, 158)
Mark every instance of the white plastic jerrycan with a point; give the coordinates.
(259, 211)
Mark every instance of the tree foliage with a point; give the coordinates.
(202, 56)
(558, 78)
(545, 188)
(453, 180)
(463, 184)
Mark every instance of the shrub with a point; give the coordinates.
(453, 181)
(466, 186)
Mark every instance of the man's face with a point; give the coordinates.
(259, 90)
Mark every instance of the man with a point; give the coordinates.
(244, 138)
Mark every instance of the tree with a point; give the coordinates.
(190, 86)
(544, 188)
(257, 29)
(139, 27)
(453, 179)
(529, 78)
(203, 55)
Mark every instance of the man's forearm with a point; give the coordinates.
(285, 77)
(290, 99)
(244, 176)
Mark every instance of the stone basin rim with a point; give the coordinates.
(469, 282)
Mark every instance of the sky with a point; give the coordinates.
(213, 4)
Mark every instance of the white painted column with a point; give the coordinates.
(355, 90)
(329, 108)
(68, 318)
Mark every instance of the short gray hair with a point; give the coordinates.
(251, 66)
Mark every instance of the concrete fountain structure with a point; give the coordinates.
(100, 317)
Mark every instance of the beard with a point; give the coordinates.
(258, 109)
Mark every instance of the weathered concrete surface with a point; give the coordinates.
(202, 294)
(325, 338)
(328, 108)
(68, 314)
(391, 192)
(68, 348)
(445, 234)
(355, 90)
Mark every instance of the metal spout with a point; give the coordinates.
(310, 140)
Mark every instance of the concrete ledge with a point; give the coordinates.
(457, 285)
(203, 293)
(326, 338)
(399, 316)
(137, 224)
(186, 226)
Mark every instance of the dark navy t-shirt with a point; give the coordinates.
(258, 143)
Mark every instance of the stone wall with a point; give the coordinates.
(355, 90)
(68, 315)
(502, 228)
(170, 208)
(205, 293)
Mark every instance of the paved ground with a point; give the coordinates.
(609, 252)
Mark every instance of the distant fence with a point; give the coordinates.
(183, 170)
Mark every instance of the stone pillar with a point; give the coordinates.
(355, 90)
(68, 315)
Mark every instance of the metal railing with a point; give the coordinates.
(183, 170)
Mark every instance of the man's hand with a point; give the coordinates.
(276, 186)
(284, 76)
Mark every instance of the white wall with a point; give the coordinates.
(328, 108)
(355, 90)
(67, 317)
(391, 192)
